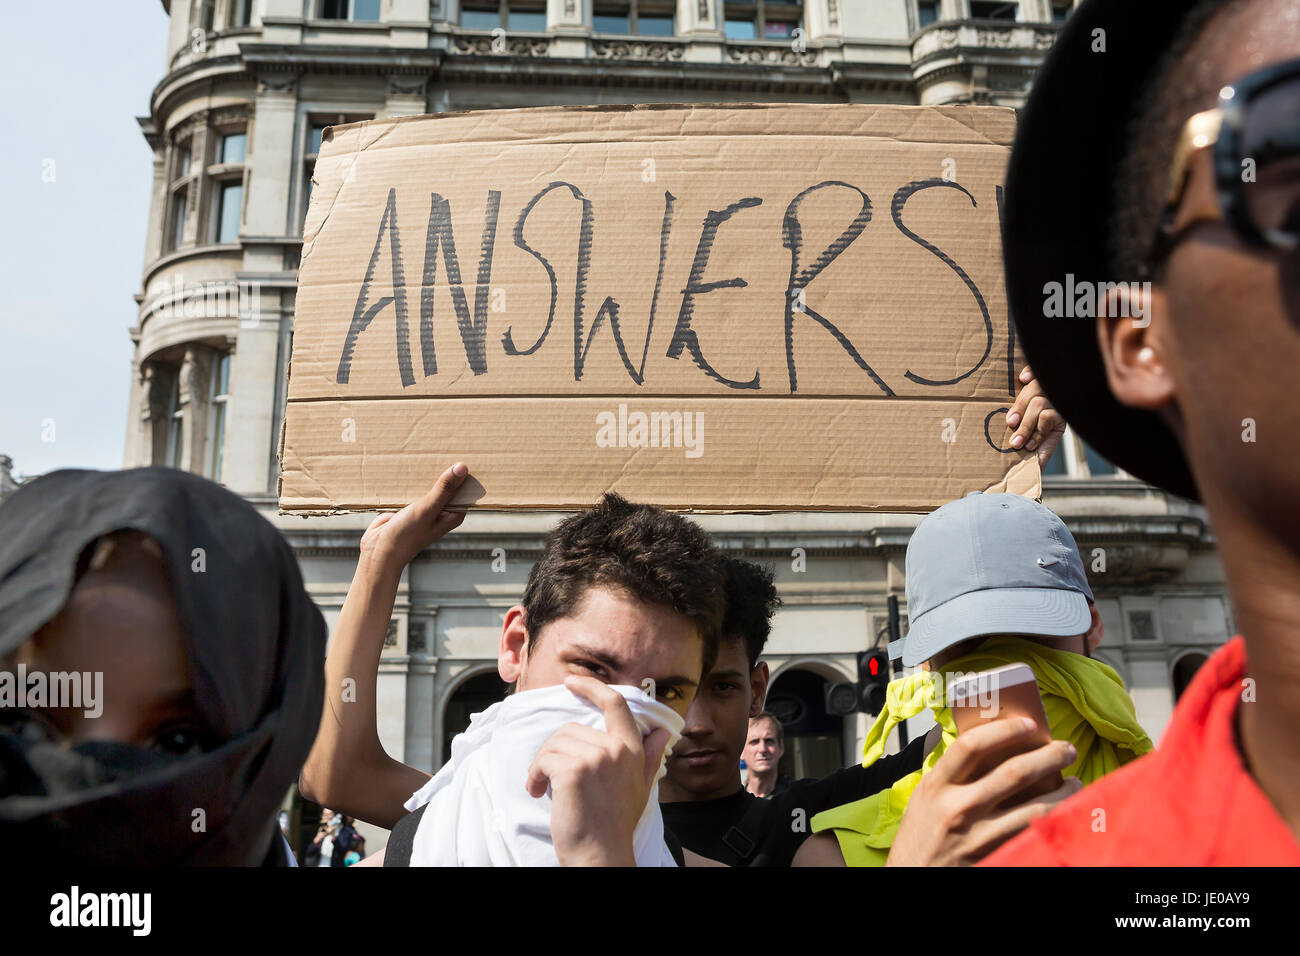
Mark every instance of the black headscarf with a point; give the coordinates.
(255, 644)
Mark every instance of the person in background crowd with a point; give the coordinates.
(191, 606)
(703, 801)
(357, 853)
(346, 839)
(321, 850)
(762, 755)
(992, 579)
(1184, 196)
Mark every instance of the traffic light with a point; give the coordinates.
(873, 678)
(841, 699)
(868, 694)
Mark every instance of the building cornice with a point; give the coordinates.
(555, 71)
(1147, 547)
(179, 84)
(150, 131)
(945, 49)
(228, 250)
(853, 75)
(981, 38)
(321, 58)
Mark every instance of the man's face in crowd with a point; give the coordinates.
(1223, 345)
(763, 750)
(706, 762)
(610, 636)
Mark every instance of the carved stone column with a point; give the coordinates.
(700, 18)
(158, 195)
(569, 22)
(193, 400)
(424, 723)
(700, 21)
(152, 411)
(270, 154)
(568, 16)
(823, 20)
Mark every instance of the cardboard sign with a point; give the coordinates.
(713, 308)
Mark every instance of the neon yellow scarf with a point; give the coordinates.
(1085, 702)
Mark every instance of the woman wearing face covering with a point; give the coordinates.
(180, 615)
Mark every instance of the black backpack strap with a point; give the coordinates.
(402, 840)
(674, 846)
(744, 836)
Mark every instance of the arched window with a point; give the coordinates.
(814, 739)
(472, 697)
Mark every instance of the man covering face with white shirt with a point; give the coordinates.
(622, 595)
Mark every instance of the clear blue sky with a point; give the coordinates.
(72, 250)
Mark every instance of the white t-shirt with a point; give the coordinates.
(479, 813)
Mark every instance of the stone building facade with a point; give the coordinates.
(247, 88)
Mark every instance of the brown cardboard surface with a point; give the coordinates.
(807, 298)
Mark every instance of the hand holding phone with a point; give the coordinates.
(1000, 694)
(956, 818)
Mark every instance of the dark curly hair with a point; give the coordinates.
(751, 602)
(651, 554)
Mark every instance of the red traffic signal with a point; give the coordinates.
(873, 679)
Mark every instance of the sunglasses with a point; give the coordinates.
(1255, 135)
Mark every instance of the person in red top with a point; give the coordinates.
(1190, 803)
(1158, 164)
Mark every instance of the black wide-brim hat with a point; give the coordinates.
(1064, 169)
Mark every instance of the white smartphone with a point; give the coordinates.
(1009, 691)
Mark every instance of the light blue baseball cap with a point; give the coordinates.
(991, 564)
